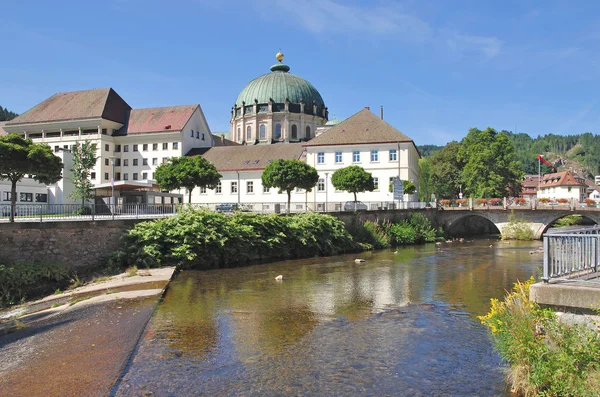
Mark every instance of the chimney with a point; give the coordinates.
(381, 112)
(367, 107)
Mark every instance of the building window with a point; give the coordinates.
(117, 162)
(338, 157)
(202, 189)
(266, 189)
(374, 156)
(239, 134)
(135, 162)
(320, 158)
(155, 146)
(262, 131)
(393, 155)
(218, 188)
(294, 132)
(248, 133)
(277, 131)
(135, 148)
(125, 176)
(165, 146)
(234, 187)
(144, 175)
(144, 161)
(66, 147)
(135, 176)
(376, 183)
(56, 149)
(164, 160)
(321, 185)
(6, 196)
(307, 136)
(117, 176)
(125, 148)
(117, 148)
(145, 147)
(154, 161)
(125, 162)
(249, 187)
(192, 133)
(203, 136)
(106, 176)
(105, 161)
(107, 147)
(356, 156)
(27, 197)
(93, 175)
(197, 134)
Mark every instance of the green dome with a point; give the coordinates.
(279, 85)
(333, 122)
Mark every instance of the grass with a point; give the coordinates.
(131, 271)
(77, 300)
(100, 279)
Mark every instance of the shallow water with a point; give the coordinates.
(400, 324)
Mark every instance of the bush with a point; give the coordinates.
(207, 239)
(546, 357)
(516, 229)
(402, 233)
(24, 280)
(83, 211)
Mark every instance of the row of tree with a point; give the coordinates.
(483, 164)
(6, 115)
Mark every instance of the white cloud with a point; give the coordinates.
(388, 21)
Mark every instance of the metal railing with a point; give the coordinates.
(572, 255)
(58, 212)
(298, 207)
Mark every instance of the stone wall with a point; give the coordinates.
(75, 244)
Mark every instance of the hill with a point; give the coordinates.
(6, 115)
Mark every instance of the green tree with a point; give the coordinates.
(446, 171)
(353, 179)
(6, 115)
(20, 157)
(408, 186)
(84, 159)
(490, 164)
(287, 175)
(425, 185)
(187, 172)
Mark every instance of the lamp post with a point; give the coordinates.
(326, 178)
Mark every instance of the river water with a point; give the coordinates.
(401, 324)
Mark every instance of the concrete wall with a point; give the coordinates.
(75, 244)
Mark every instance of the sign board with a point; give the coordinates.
(398, 188)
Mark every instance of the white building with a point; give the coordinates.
(562, 185)
(130, 143)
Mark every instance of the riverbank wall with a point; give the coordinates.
(75, 244)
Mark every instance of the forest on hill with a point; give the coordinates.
(578, 153)
(6, 115)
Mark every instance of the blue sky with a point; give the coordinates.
(437, 67)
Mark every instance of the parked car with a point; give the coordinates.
(227, 207)
(355, 206)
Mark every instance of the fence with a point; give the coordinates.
(573, 254)
(297, 207)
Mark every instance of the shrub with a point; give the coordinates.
(516, 229)
(546, 357)
(207, 239)
(24, 280)
(402, 233)
(83, 211)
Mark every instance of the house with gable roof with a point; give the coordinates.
(562, 185)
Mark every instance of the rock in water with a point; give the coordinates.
(359, 260)
(279, 278)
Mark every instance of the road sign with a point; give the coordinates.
(398, 188)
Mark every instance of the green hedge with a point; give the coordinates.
(206, 239)
(24, 280)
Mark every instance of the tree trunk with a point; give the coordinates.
(289, 200)
(13, 199)
(190, 197)
(354, 200)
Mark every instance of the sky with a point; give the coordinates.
(437, 67)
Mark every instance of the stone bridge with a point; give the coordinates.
(456, 220)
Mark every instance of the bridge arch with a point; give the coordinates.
(470, 224)
(584, 215)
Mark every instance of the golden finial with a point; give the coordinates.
(279, 56)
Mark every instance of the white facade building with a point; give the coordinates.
(562, 185)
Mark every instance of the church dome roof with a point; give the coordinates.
(279, 85)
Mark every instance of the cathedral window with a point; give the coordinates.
(278, 131)
(294, 132)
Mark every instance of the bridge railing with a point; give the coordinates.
(572, 255)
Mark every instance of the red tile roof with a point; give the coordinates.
(168, 118)
(564, 178)
(251, 158)
(88, 104)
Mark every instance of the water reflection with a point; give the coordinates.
(400, 321)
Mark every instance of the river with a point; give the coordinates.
(400, 324)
